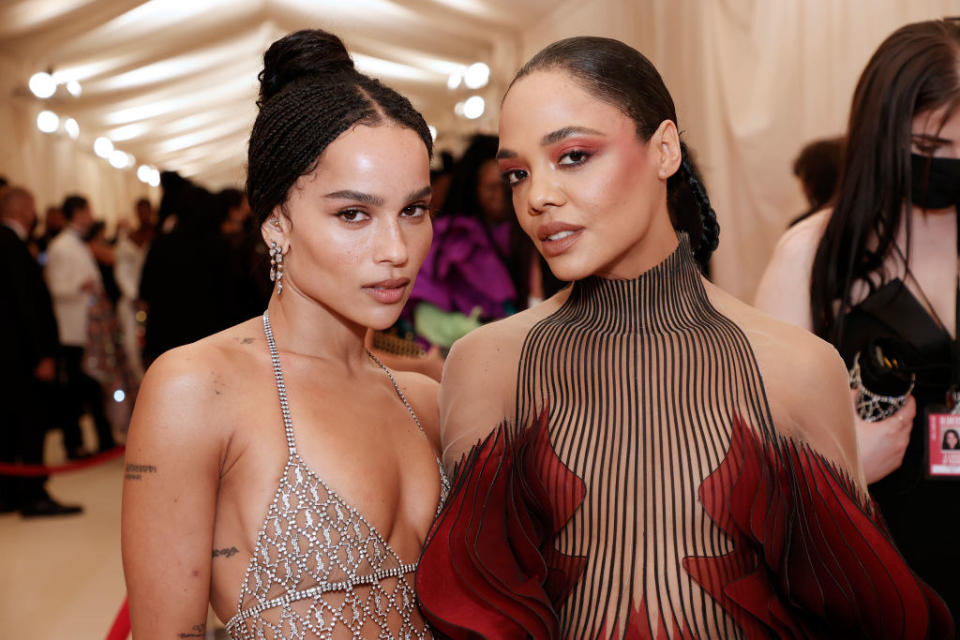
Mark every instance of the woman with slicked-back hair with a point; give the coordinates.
(880, 268)
(642, 455)
(277, 469)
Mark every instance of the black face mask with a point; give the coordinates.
(935, 182)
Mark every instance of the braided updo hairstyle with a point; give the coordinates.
(310, 93)
(623, 77)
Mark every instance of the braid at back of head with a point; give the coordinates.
(310, 94)
(690, 209)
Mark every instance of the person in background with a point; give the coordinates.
(131, 251)
(53, 224)
(74, 280)
(246, 259)
(881, 265)
(818, 169)
(186, 268)
(481, 265)
(28, 334)
(104, 252)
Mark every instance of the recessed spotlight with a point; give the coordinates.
(477, 75)
(103, 147)
(72, 128)
(73, 86)
(42, 85)
(118, 159)
(474, 107)
(48, 121)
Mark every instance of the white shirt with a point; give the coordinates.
(70, 263)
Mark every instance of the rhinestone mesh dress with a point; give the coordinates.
(319, 569)
(649, 495)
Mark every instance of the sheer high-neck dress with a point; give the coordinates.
(651, 458)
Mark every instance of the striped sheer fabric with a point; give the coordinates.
(659, 497)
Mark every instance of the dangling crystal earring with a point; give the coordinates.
(276, 266)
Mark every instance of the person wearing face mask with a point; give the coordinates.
(634, 456)
(881, 265)
(277, 469)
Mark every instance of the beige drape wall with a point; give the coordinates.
(753, 81)
(52, 165)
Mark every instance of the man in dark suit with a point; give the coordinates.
(28, 343)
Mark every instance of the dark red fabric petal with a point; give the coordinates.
(489, 569)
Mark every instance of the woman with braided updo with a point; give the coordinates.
(642, 455)
(277, 469)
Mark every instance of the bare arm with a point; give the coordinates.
(784, 289)
(169, 502)
(477, 390)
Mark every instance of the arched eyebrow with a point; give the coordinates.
(554, 137)
(374, 200)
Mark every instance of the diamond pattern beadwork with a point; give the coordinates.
(320, 570)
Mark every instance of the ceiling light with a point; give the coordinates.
(73, 86)
(48, 121)
(72, 128)
(118, 159)
(458, 108)
(42, 85)
(144, 173)
(103, 147)
(474, 107)
(454, 80)
(477, 75)
(154, 180)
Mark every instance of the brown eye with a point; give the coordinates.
(353, 215)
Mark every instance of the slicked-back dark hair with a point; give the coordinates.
(624, 78)
(72, 204)
(915, 70)
(310, 93)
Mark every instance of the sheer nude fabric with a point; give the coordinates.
(700, 432)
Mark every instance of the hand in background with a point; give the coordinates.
(883, 443)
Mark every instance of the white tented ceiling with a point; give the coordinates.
(174, 82)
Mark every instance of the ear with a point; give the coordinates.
(276, 228)
(666, 141)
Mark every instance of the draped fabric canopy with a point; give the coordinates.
(174, 82)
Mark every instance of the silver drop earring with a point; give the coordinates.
(276, 266)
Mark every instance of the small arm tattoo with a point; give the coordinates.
(136, 471)
(198, 631)
(225, 553)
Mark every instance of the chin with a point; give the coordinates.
(571, 267)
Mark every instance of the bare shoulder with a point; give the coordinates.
(486, 351)
(805, 379)
(422, 393)
(478, 390)
(194, 384)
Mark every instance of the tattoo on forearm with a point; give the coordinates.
(136, 471)
(225, 553)
(198, 631)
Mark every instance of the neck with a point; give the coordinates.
(668, 296)
(306, 327)
(657, 243)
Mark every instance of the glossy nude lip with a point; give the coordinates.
(388, 291)
(568, 236)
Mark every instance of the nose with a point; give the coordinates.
(390, 245)
(544, 193)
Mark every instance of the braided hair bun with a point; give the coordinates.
(310, 93)
(303, 54)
